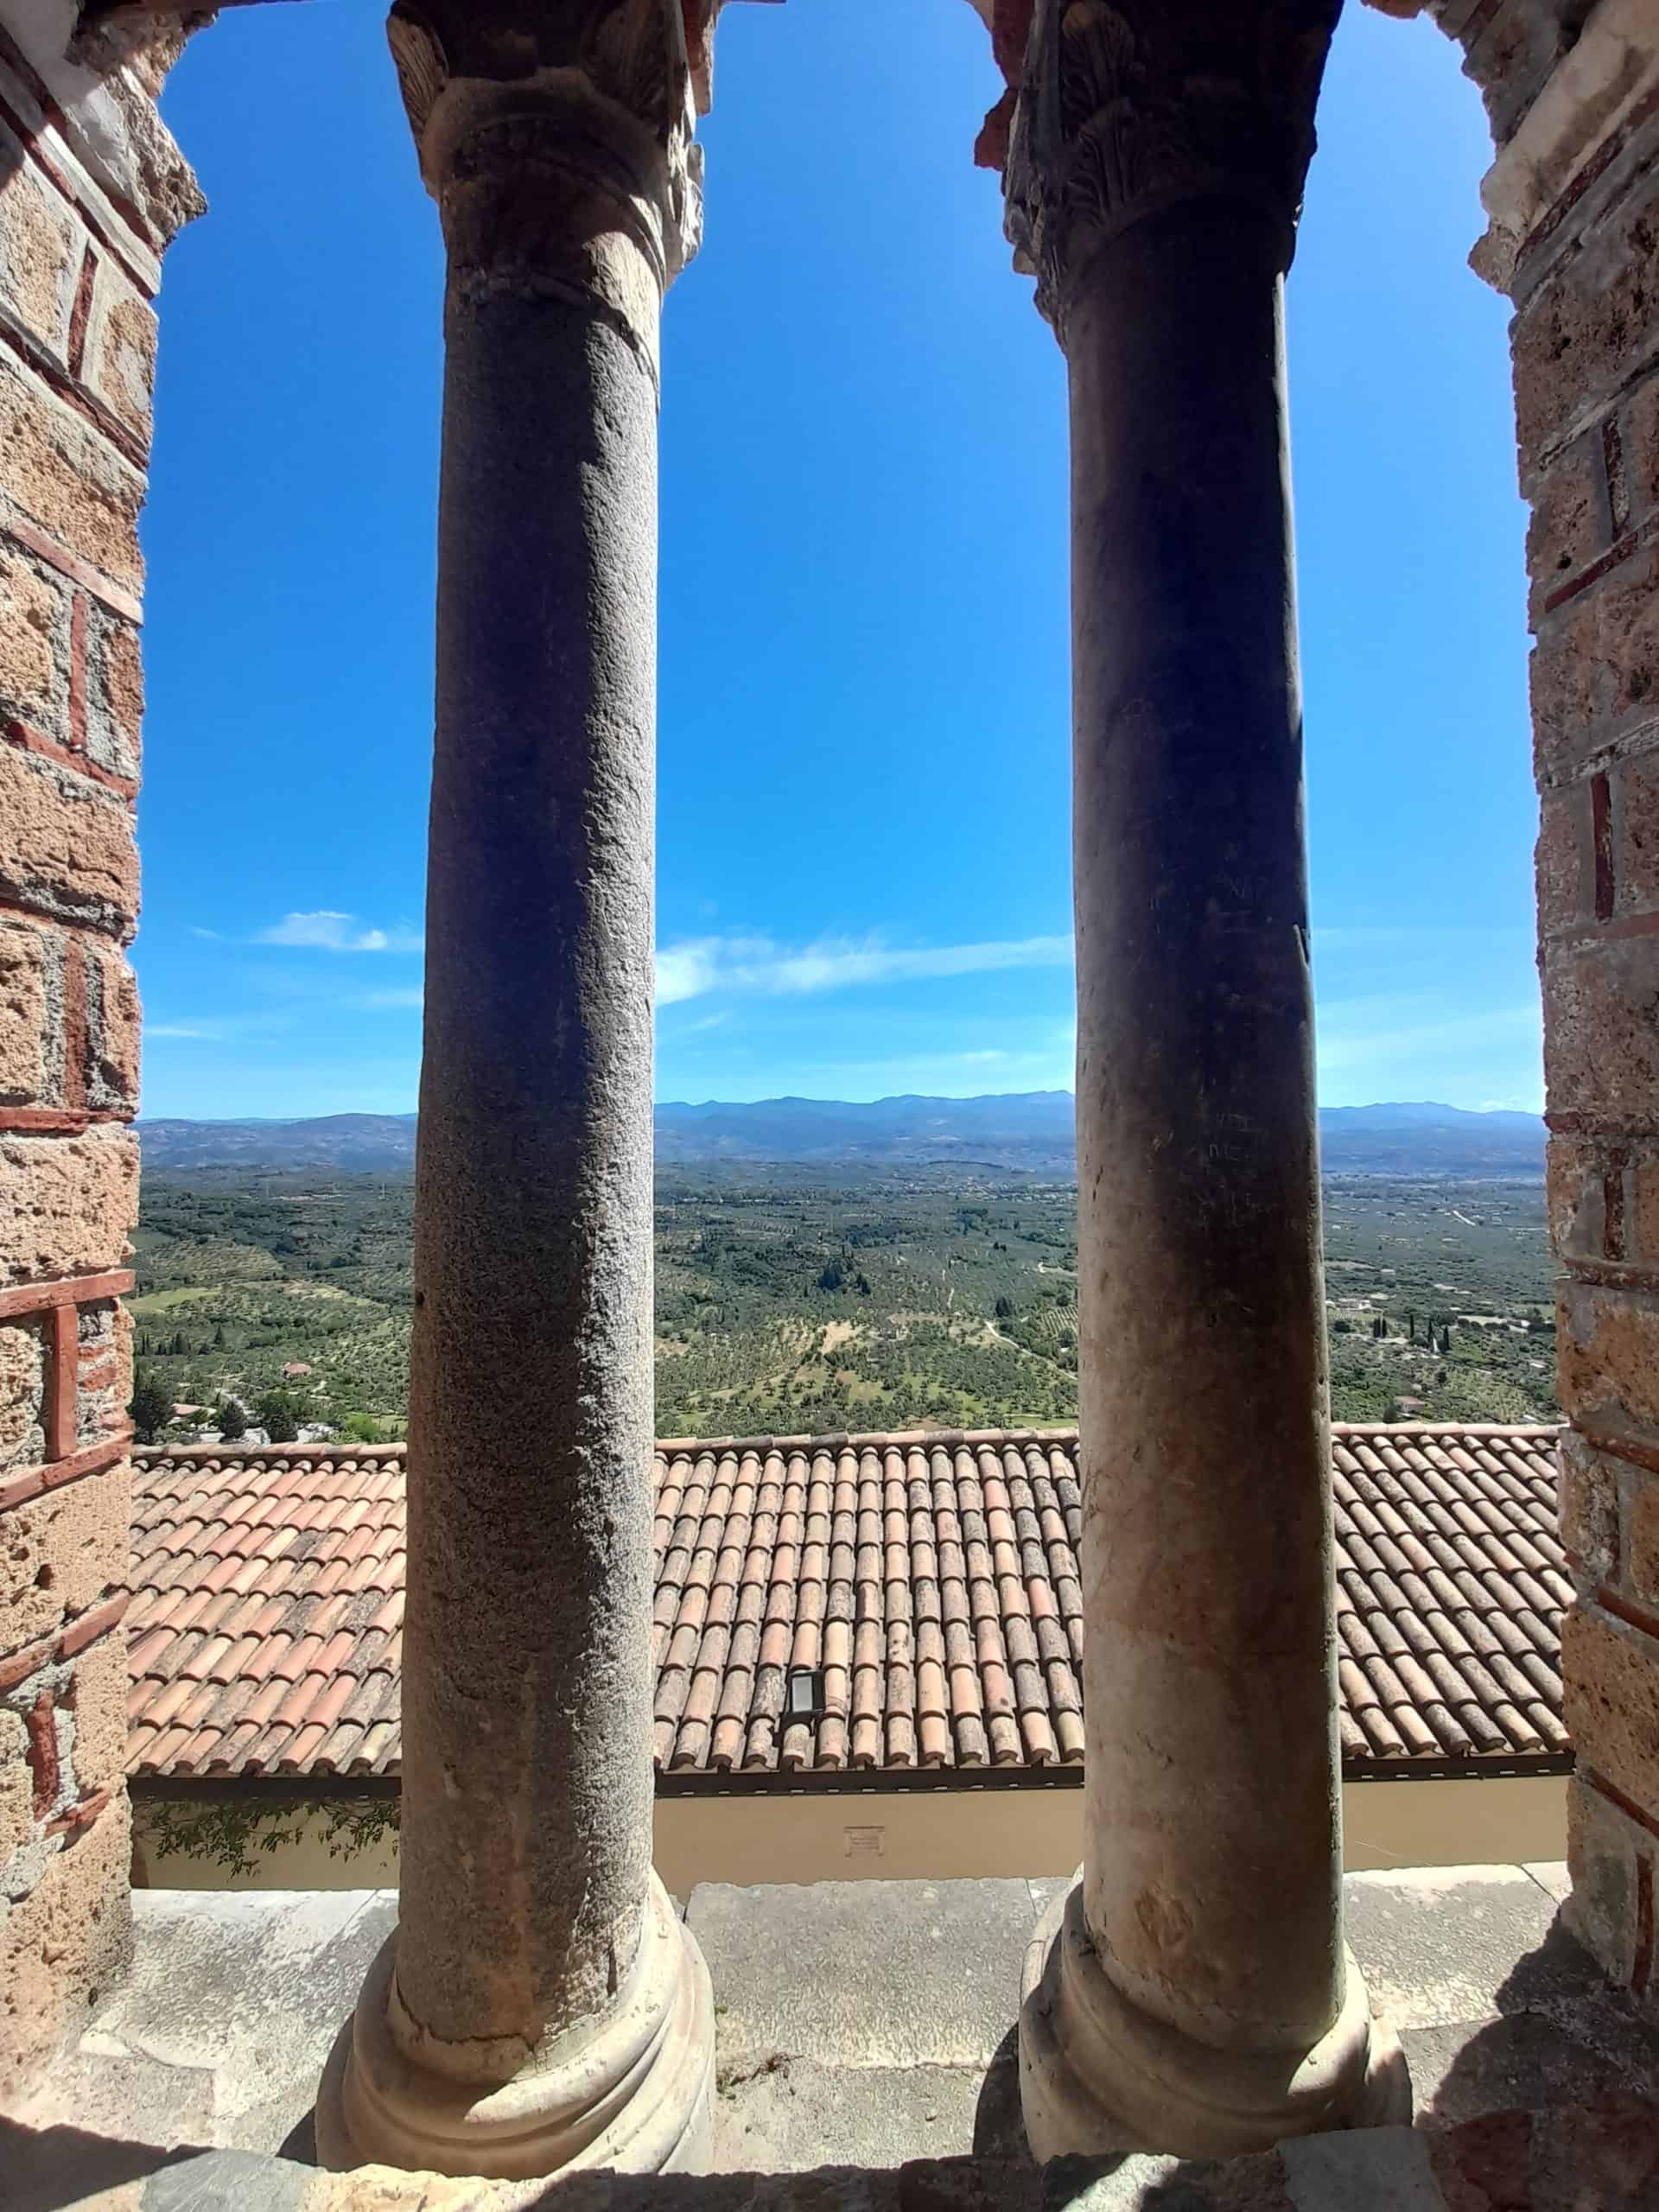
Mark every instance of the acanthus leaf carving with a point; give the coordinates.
(1126, 109)
(634, 52)
(418, 56)
(596, 94)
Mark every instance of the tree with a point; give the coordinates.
(1004, 1309)
(218, 1337)
(278, 1412)
(150, 1410)
(233, 1420)
(1446, 1340)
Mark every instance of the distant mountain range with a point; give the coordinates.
(1030, 1130)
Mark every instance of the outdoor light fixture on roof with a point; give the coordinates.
(803, 1695)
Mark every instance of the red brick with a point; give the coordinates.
(1589, 323)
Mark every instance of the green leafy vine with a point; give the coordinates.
(232, 1832)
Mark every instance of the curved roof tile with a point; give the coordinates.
(933, 1578)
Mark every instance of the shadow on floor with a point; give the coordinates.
(54, 2168)
(999, 2130)
(1563, 2035)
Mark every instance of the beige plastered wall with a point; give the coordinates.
(938, 1835)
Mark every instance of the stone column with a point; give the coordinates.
(1191, 1993)
(539, 2006)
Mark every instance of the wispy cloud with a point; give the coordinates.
(698, 966)
(412, 994)
(220, 1029)
(326, 930)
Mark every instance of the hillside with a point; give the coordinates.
(818, 1297)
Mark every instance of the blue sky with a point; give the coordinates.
(864, 726)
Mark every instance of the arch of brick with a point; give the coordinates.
(92, 190)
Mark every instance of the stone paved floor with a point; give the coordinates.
(860, 2023)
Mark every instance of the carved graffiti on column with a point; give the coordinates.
(1123, 111)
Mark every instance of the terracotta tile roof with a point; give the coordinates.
(931, 1581)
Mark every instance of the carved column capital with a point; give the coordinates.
(557, 138)
(1126, 109)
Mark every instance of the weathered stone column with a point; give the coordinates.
(539, 2006)
(1191, 1993)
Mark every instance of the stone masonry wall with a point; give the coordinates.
(91, 190)
(1572, 95)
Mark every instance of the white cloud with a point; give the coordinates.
(698, 966)
(220, 1029)
(326, 931)
(412, 995)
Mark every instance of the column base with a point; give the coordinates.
(630, 2088)
(1098, 2075)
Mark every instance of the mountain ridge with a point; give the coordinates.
(1027, 1130)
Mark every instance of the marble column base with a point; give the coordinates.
(1098, 2075)
(630, 2088)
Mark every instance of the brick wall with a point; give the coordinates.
(91, 190)
(1572, 95)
